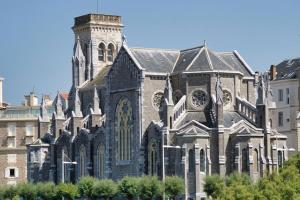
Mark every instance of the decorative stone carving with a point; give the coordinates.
(227, 98)
(157, 100)
(199, 98)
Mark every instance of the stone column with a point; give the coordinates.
(262, 160)
(197, 172)
(208, 161)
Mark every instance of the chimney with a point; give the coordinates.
(273, 72)
(1, 92)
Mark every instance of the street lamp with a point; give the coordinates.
(70, 162)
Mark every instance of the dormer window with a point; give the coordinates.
(101, 52)
(110, 52)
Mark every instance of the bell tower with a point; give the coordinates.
(99, 37)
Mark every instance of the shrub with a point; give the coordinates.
(47, 191)
(10, 192)
(150, 187)
(106, 189)
(129, 187)
(67, 190)
(173, 186)
(214, 186)
(85, 186)
(27, 190)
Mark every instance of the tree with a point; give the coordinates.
(85, 186)
(173, 186)
(150, 187)
(27, 191)
(106, 189)
(47, 191)
(67, 190)
(129, 187)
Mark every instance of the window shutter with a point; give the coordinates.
(6, 172)
(16, 172)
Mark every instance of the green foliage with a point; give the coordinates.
(284, 185)
(106, 189)
(2, 192)
(173, 186)
(150, 187)
(67, 190)
(129, 187)
(27, 190)
(214, 186)
(47, 191)
(10, 192)
(85, 186)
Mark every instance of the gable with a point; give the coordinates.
(125, 71)
(193, 129)
(245, 128)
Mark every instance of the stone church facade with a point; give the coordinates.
(138, 111)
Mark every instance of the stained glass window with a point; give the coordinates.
(123, 129)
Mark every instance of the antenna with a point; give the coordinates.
(98, 6)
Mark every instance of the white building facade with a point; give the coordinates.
(285, 89)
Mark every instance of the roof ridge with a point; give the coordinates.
(192, 48)
(152, 49)
(192, 62)
(208, 58)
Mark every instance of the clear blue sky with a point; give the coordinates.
(36, 40)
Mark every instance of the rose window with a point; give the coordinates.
(199, 98)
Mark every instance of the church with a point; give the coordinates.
(138, 111)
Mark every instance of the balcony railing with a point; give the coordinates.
(246, 109)
(179, 108)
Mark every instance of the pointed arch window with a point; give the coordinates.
(101, 52)
(110, 52)
(100, 163)
(82, 157)
(255, 160)
(191, 160)
(152, 157)
(124, 129)
(202, 161)
(245, 160)
(280, 159)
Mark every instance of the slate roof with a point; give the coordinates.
(233, 60)
(99, 79)
(197, 116)
(155, 60)
(232, 117)
(287, 69)
(229, 118)
(203, 59)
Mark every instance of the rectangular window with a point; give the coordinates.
(11, 130)
(288, 95)
(280, 119)
(11, 142)
(280, 95)
(12, 173)
(29, 130)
